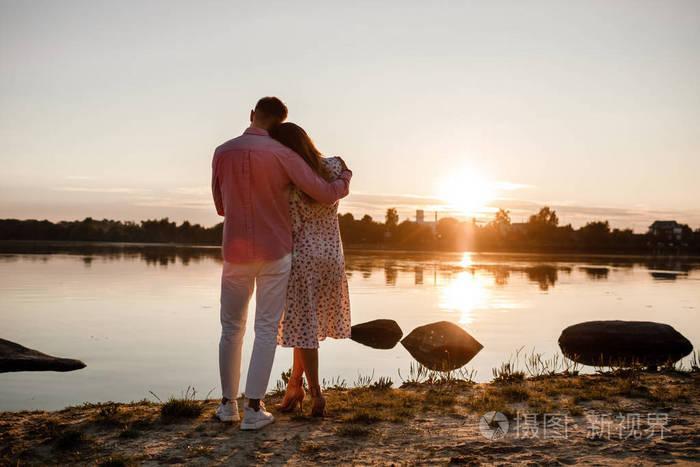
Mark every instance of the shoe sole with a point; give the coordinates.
(257, 425)
(228, 418)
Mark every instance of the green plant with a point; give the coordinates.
(186, 406)
(508, 372)
(383, 383)
(417, 374)
(570, 367)
(363, 381)
(334, 384)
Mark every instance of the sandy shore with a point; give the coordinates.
(634, 418)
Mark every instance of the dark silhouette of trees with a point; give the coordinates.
(91, 230)
(542, 233)
(392, 218)
(502, 219)
(594, 234)
(545, 218)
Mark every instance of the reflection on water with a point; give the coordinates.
(595, 273)
(146, 317)
(464, 293)
(545, 272)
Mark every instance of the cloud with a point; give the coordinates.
(80, 177)
(83, 189)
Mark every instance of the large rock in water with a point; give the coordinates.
(378, 334)
(623, 343)
(441, 346)
(14, 357)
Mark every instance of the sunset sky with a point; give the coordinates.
(113, 109)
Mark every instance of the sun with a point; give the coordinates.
(467, 192)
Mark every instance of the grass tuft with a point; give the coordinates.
(382, 384)
(186, 406)
(334, 384)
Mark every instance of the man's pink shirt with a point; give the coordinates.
(251, 180)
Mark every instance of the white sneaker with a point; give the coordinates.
(228, 412)
(254, 420)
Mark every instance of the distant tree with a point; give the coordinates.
(545, 217)
(595, 234)
(502, 217)
(392, 218)
(542, 229)
(686, 233)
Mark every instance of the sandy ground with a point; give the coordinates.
(601, 420)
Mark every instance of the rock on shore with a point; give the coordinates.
(441, 346)
(15, 357)
(378, 334)
(623, 343)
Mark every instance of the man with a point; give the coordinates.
(251, 180)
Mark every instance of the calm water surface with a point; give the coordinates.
(146, 318)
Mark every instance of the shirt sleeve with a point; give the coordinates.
(308, 181)
(216, 188)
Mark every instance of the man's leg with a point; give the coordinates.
(270, 299)
(237, 281)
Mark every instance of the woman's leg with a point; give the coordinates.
(297, 368)
(295, 392)
(310, 362)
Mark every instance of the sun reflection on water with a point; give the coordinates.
(468, 292)
(466, 260)
(465, 293)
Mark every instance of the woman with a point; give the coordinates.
(318, 305)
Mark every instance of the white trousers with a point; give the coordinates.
(237, 282)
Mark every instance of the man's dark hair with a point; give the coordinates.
(272, 107)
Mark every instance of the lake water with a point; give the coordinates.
(145, 318)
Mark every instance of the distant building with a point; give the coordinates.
(420, 219)
(667, 231)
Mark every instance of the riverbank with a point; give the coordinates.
(628, 418)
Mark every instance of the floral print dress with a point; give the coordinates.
(318, 304)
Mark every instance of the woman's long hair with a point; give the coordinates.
(295, 138)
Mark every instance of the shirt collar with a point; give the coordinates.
(256, 131)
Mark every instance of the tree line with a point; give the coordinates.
(541, 233)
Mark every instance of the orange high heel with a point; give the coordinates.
(292, 397)
(319, 407)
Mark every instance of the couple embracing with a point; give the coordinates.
(279, 198)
